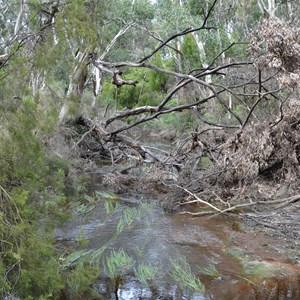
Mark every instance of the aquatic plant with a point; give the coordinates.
(128, 217)
(144, 273)
(181, 272)
(86, 205)
(88, 202)
(211, 271)
(73, 258)
(95, 255)
(117, 263)
(105, 195)
(111, 207)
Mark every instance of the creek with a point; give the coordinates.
(230, 262)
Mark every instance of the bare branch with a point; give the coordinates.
(197, 199)
(199, 115)
(158, 38)
(182, 76)
(19, 18)
(108, 137)
(121, 32)
(184, 32)
(166, 111)
(254, 105)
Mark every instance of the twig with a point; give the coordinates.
(289, 200)
(198, 214)
(83, 136)
(255, 104)
(197, 198)
(199, 115)
(157, 149)
(285, 202)
(281, 112)
(221, 200)
(219, 211)
(13, 202)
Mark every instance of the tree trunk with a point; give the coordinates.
(76, 84)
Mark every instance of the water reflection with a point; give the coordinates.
(152, 237)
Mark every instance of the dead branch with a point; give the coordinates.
(118, 81)
(108, 137)
(131, 112)
(283, 202)
(179, 75)
(156, 36)
(263, 95)
(198, 200)
(289, 200)
(83, 137)
(3, 59)
(147, 109)
(165, 111)
(199, 115)
(229, 209)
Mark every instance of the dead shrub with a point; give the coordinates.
(263, 151)
(276, 45)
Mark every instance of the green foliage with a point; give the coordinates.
(32, 189)
(111, 207)
(33, 84)
(211, 271)
(197, 7)
(157, 81)
(71, 260)
(87, 202)
(191, 55)
(176, 122)
(117, 263)
(79, 280)
(37, 261)
(129, 215)
(127, 96)
(138, 11)
(261, 269)
(106, 195)
(144, 273)
(181, 272)
(149, 91)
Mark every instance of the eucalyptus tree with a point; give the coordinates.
(53, 51)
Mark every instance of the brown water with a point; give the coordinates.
(248, 264)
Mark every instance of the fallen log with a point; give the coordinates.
(106, 136)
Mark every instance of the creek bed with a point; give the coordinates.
(230, 263)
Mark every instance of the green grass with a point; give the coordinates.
(260, 269)
(105, 195)
(111, 207)
(117, 263)
(144, 273)
(211, 271)
(181, 272)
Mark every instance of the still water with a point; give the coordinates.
(215, 252)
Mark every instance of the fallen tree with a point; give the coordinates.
(254, 141)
